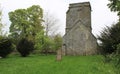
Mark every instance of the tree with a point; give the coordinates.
(26, 22)
(110, 44)
(25, 46)
(114, 5)
(1, 25)
(5, 46)
(110, 38)
(50, 23)
(58, 42)
(44, 43)
(39, 40)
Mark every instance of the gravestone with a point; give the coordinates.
(59, 55)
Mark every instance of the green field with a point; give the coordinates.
(39, 64)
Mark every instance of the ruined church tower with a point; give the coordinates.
(78, 39)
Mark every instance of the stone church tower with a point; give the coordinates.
(78, 39)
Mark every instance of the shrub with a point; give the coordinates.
(110, 38)
(44, 43)
(118, 55)
(24, 47)
(58, 42)
(5, 47)
(110, 44)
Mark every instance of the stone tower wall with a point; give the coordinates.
(78, 11)
(78, 39)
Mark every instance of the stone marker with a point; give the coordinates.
(59, 55)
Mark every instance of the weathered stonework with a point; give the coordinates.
(79, 39)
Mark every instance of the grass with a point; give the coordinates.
(38, 64)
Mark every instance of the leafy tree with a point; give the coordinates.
(110, 44)
(110, 38)
(114, 5)
(47, 45)
(0, 21)
(1, 24)
(39, 40)
(25, 46)
(58, 42)
(44, 43)
(5, 46)
(26, 22)
(5, 43)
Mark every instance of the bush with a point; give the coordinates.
(110, 44)
(118, 55)
(58, 42)
(44, 43)
(5, 47)
(24, 47)
(110, 38)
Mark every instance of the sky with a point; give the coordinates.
(101, 14)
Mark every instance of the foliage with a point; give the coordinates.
(114, 5)
(26, 22)
(48, 65)
(58, 42)
(47, 44)
(39, 40)
(118, 48)
(5, 46)
(43, 42)
(110, 38)
(25, 46)
(0, 21)
(116, 59)
(1, 24)
(5, 43)
(14, 37)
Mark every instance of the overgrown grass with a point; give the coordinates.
(38, 64)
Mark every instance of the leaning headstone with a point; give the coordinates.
(59, 55)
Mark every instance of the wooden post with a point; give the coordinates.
(59, 55)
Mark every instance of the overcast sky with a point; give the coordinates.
(101, 14)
